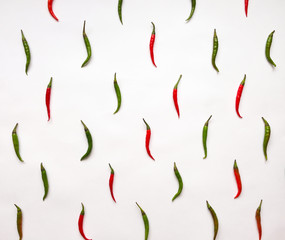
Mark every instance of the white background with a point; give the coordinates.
(58, 50)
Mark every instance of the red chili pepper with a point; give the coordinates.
(48, 92)
(147, 139)
(246, 6)
(239, 92)
(111, 180)
(175, 96)
(238, 180)
(80, 223)
(50, 9)
(151, 43)
(258, 220)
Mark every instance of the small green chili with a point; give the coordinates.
(205, 134)
(215, 50)
(27, 52)
(120, 2)
(45, 180)
(145, 221)
(178, 176)
(87, 45)
(268, 47)
(16, 142)
(266, 137)
(215, 220)
(89, 139)
(19, 222)
(118, 93)
(192, 10)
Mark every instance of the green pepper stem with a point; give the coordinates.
(112, 170)
(147, 126)
(153, 28)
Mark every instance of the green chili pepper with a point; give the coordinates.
(89, 139)
(205, 134)
(118, 93)
(27, 52)
(215, 219)
(215, 50)
(145, 221)
(120, 10)
(267, 48)
(266, 137)
(178, 176)
(87, 45)
(192, 10)
(16, 142)
(45, 181)
(19, 222)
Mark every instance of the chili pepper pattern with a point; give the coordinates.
(179, 178)
(80, 223)
(27, 52)
(89, 140)
(258, 220)
(192, 10)
(111, 180)
(268, 47)
(19, 222)
(246, 6)
(205, 135)
(120, 3)
(87, 45)
(151, 43)
(48, 93)
(147, 139)
(266, 137)
(50, 2)
(215, 50)
(118, 93)
(238, 180)
(175, 96)
(145, 221)
(239, 92)
(45, 181)
(215, 220)
(16, 143)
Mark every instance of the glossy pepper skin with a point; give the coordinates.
(215, 50)
(16, 143)
(19, 222)
(50, 2)
(151, 43)
(205, 135)
(120, 3)
(178, 176)
(111, 180)
(238, 180)
(246, 6)
(215, 220)
(27, 52)
(48, 93)
(192, 10)
(258, 220)
(266, 137)
(89, 140)
(87, 45)
(268, 47)
(239, 92)
(145, 221)
(45, 181)
(175, 96)
(118, 93)
(80, 223)
(147, 139)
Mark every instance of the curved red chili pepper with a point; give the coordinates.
(175, 96)
(111, 180)
(50, 9)
(238, 180)
(48, 92)
(147, 139)
(239, 92)
(246, 6)
(80, 223)
(258, 220)
(151, 43)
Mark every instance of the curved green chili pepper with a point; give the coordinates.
(145, 221)
(87, 45)
(19, 222)
(16, 142)
(118, 93)
(215, 219)
(266, 137)
(215, 50)
(27, 52)
(178, 176)
(45, 181)
(89, 139)
(205, 134)
(120, 10)
(192, 10)
(267, 48)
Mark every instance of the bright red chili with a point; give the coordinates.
(111, 180)
(258, 220)
(147, 139)
(151, 43)
(80, 223)
(246, 6)
(48, 92)
(175, 96)
(239, 92)
(50, 9)
(238, 180)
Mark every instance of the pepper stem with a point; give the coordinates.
(243, 81)
(82, 211)
(15, 128)
(112, 170)
(85, 127)
(235, 165)
(84, 33)
(153, 28)
(176, 85)
(206, 124)
(50, 83)
(147, 126)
